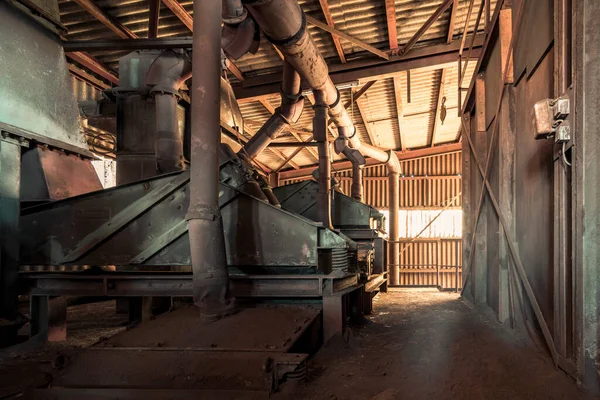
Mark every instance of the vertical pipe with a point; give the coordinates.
(320, 135)
(357, 181)
(394, 234)
(207, 243)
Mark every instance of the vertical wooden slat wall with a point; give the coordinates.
(429, 182)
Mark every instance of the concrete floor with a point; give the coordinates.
(425, 344)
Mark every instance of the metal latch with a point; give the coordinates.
(549, 115)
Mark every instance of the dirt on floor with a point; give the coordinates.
(426, 344)
(418, 344)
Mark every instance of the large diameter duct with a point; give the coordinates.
(165, 76)
(292, 104)
(284, 24)
(207, 243)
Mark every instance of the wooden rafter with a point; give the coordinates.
(188, 21)
(336, 40)
(426, 25)
(399, 110)
(106, 19)
(361, 110)
(438, 106)
(347, 37)
(392, 25)
(271, 110)
(153, 18)
(94, 65)
(452, 21)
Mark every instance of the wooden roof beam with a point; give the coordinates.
(363, 115)
(336, 40)
(438, 107)
(153, 17)
(107, 20)
(399, 110)
(452, 21)
(426, 25)
(188, 21)
(349, 38)
(392, 25)
(94, 65)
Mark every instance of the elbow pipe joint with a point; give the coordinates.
(291, 111)
(393, 163)
(233, 12)
(168, 72)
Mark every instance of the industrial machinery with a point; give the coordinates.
(191, 218)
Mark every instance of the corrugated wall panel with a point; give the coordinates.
(431, 262)
(426, 182)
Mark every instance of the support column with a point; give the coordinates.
(333, 316)
(394, 234)
(49, 318)
(10, 184)
(207, 243)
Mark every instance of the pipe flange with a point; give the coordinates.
(337, 99)
(236, 20)
(204, 212)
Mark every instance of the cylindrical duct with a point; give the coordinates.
(357, 181)
(324, 179)
(207, 243)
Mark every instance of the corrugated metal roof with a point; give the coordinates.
(364, 20)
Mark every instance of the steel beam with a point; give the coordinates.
(180, 285)
(438, 107)
(452, 21)
(399, 111)
(128, 44)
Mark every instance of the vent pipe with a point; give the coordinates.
(357, 181)
(207, 243)
(166, 75)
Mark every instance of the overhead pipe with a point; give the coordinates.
(357, 181)
(292, 104)
(324, 178)
(205, 224)
(166, 75)
(284, 24)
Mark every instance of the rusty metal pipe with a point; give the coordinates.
(357, 181)
(166, 75)
(394, 233)
(324, 179)
(207, 243)
(233, 12)
(292, 104)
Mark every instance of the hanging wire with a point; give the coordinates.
(564, 155)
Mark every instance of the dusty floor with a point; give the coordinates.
(420, 344)
(425, 344)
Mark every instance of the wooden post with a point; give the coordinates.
(506, 167)
(479, 267)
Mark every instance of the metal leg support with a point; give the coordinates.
(333, 316)
(49, 318)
